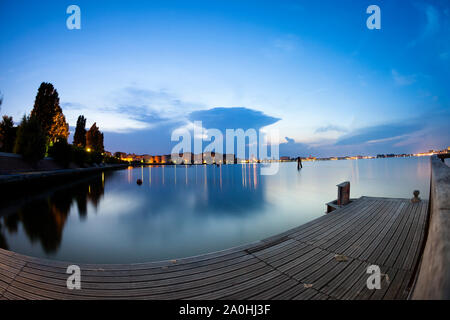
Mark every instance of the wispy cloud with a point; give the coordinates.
(133, 109)
(331, 127)
(403, 80)
(109, 119)
(287, 43)
(380, 133)
(445, 55)
(432, 23)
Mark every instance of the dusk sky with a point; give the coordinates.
(311, 69)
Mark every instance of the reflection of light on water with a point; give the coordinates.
(423, 167)
(355, 171)
(186, 174)
(150, 175)
(142, 174)
(255, 177)
(103, 179)
(206, 180)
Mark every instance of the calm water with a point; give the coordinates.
(183, 211)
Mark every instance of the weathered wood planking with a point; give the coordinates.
(298, 264)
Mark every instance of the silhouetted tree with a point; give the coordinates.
(79, 138)
(7, 134)
(31, 140)
(94, 139)
(46, 107)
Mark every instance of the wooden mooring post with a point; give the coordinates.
(343, 197)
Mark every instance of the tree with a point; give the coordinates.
(7, 134)
(94, 139)
(59, 129)
(31, 140)
(79, 138)
(46, 106)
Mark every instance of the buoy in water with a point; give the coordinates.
(139, 182)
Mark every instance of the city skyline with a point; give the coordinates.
(314, 72)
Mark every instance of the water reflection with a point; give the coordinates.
(43, 219)
(186, 210)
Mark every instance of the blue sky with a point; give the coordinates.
(311, 69)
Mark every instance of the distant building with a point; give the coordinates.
(209, 157)
(198, 158)
(165, 159)
(229, 158)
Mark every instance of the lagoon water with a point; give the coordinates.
(189, 210)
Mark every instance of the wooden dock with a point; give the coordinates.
(324, 259)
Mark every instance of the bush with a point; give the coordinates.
(7, 134)
(80, 156)
(31, 140)
(96, 157)
(61, 152)
(112, 160)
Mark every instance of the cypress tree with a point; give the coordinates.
(79, 138)
(46, 106)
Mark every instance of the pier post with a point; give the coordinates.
(343, 193)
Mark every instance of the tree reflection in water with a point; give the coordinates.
(43, 218)
(3, 243)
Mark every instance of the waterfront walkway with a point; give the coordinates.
(324, 259)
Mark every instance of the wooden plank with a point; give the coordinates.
(396, 251)
(261, 289)
(415, 247)
(344, 217)
(396, 285)
(371, 237)
(377, 242)
(341, 282)
(408, 243)
(128, 288)
(347, 231)
(158, 279)
(396, 237)
(135, 283)
(276, 290)
(386, 244)
(357, 234)
(330, 220)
